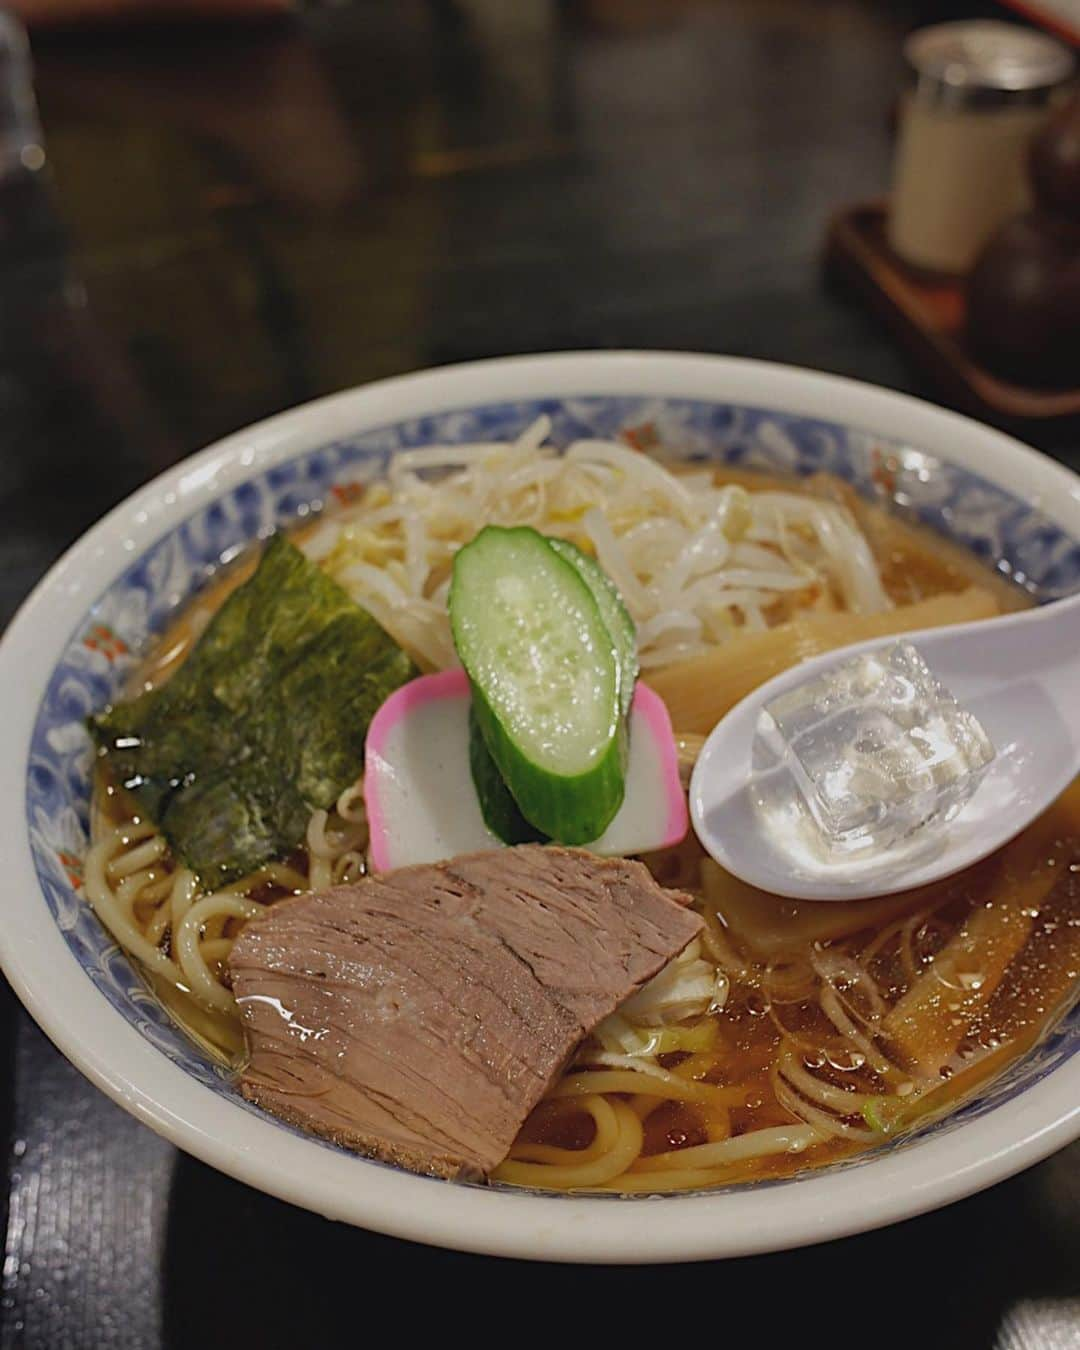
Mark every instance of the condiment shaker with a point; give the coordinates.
(979, 91)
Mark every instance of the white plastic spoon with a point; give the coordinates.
(1019, 675)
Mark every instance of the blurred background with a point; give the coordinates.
(212, 211)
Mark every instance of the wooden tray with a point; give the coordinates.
(927, 315)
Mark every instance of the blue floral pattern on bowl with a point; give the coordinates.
(1004, 530)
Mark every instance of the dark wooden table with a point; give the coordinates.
(239, 219)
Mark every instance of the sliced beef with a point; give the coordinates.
(420, 1015)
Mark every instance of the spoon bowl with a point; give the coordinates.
(1019, 675)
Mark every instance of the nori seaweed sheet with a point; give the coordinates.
(263, 722)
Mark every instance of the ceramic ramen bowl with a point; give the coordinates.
(76, 638)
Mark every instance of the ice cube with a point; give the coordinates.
(875, 748)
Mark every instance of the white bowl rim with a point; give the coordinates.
(113, 1054)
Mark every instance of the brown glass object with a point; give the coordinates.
(929, 318)
(1024, 291)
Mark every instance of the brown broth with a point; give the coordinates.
(1035, 989)
(761, 939)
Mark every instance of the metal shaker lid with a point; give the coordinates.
(985, 63)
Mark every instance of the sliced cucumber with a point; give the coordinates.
(613, 612)
(501, 813)
(545, 678)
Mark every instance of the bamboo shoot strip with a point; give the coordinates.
(776, 929)
(925, 1027)
(700, 691)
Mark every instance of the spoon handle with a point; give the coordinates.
(1041, 645)
(1019, 674)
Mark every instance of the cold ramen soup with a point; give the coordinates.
(393, 821)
